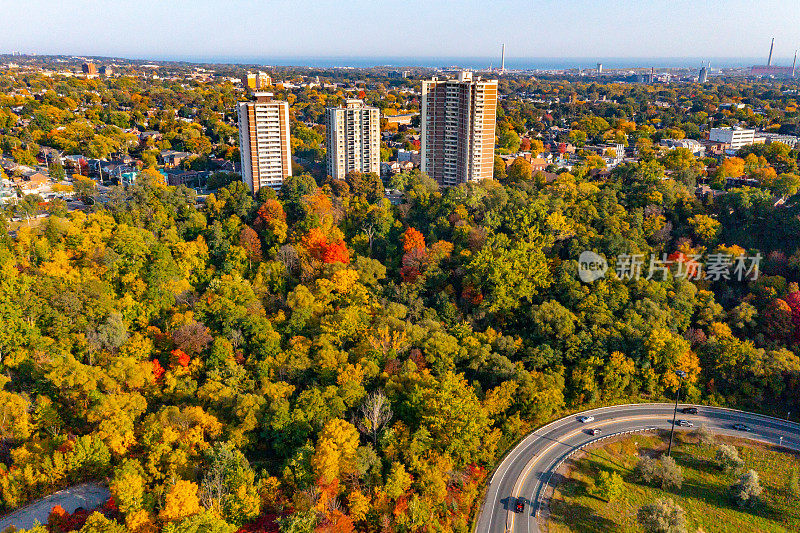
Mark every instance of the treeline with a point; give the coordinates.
(323, 360)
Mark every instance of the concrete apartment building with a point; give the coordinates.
(257, 81)
(264, 141)
(458, 127)
(734, 137)
(353, 137)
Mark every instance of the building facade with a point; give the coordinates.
(734, 137)
(264, 142)
(353, 139)
(458, 128)
(257, 81)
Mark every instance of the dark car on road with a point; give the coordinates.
(519, 506)
(689, 410)
(742, 427)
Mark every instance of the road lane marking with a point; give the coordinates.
(535, 459)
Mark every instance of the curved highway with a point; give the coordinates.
(525, 471)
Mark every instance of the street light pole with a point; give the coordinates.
(681, 374)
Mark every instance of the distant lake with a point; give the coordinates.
(514, 63)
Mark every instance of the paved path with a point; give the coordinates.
(526, 470)
(87, 495)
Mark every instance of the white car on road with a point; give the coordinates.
(585, 419)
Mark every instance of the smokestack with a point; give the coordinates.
(772, 44)
(794, 63)
(503, 59)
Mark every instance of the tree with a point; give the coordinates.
(451, 413)
(367, 184)
(507, 272)
(248, 239)
(15, 422)
(747, 489)
(413, 240)
(727, 458)
(609, 485)
(57, 171)
(662, 516)
(192, 338)
(181, 501)
(786, 185)
(29, 206)
(374, 414)
(398, 482)
(705, 228)
(499, 172)
(335, 452)
(520, 170)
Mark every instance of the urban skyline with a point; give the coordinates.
(546, 29)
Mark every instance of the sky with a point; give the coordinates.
(182, 29)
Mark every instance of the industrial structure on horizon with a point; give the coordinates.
(772, 70)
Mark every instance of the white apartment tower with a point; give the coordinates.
(458, 128)
(353, 137)
(264, 141)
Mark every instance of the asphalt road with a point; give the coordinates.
(87, 495)
(526, 470)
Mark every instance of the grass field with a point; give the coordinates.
(703, 496)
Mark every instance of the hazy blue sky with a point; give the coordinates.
(533, 28)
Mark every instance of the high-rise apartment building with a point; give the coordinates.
(89, 69)
(264, 141)
(458, 126)
(353, 136)
(703, 76)
(257, 81)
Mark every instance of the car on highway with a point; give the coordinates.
(742, 427)
(595, 431)
(519, 506)
(585, 419)
(684, 423)
(689, 410)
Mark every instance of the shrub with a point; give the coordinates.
(704, 435)
(747, 490)
(669, 473)
(727, 458)
(662, 516)
(608, 485)
(646, 469)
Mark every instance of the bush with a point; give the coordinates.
(646, 470)
(662, 516)
(608, 485)
(747, 490)
(664, 472)
(727, 458)
(670, 474)
(704, 435)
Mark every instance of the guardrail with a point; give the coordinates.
(540, 501)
